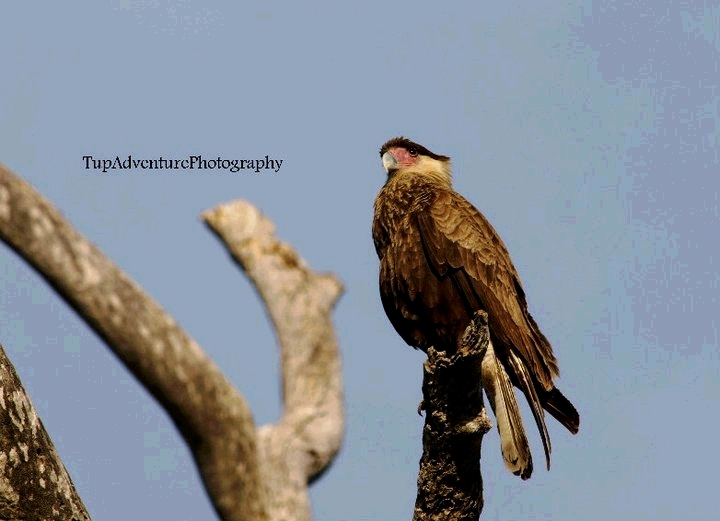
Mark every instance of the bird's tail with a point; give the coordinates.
(553, 401)
(560, 407)
(513, 440)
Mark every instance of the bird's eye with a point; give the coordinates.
(413, 151)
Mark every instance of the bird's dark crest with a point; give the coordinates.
(409, 145)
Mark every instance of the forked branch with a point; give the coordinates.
(239, 464)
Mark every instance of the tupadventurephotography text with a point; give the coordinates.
(189, 163)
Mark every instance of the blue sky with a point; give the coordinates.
(587, 132)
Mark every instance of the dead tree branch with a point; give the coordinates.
(449, 482)
(212, 416)
(299, 301)
(34, 483)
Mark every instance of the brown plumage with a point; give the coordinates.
(440, 261)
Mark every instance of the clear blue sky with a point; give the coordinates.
(587, 132)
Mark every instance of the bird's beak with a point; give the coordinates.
(389, 162)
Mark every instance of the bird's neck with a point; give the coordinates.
(435, 172)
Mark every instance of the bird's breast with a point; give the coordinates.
(396, 206)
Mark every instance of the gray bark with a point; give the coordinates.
(297, 449)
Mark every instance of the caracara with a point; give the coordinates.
(440, 261)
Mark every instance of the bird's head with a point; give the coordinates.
(402, 155)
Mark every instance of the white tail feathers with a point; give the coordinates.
(513, 440)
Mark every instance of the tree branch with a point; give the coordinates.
(210, 413)
(449, 482)
(34, 483)
(299, 301)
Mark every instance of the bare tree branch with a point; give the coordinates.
(299, 301)
(212, 416)
(449, 482)
(210, 413)
(33, 481)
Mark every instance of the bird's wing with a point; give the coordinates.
(459, 241)
(461, 244)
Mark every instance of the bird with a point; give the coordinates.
(441, 261)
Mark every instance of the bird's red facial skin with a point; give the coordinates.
(403, 157)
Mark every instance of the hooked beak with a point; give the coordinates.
(389, 162)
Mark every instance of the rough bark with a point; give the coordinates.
(449, 482)
(34, 483)
(237, 466)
